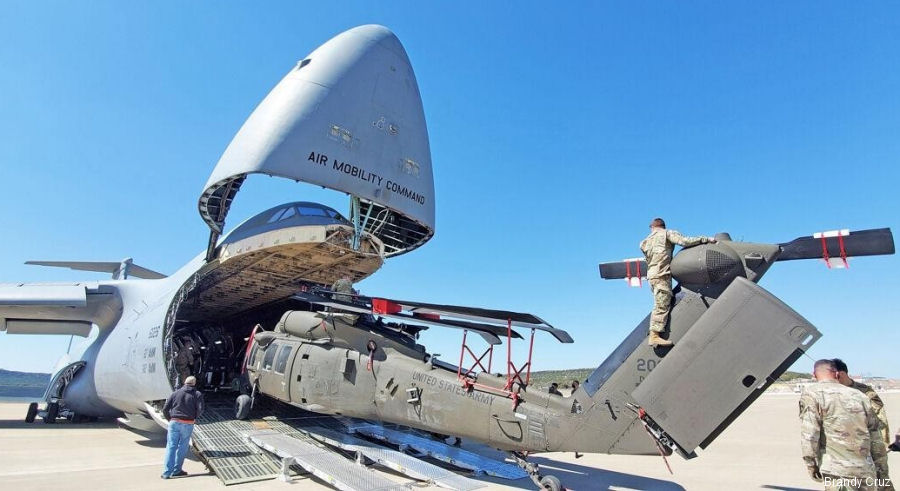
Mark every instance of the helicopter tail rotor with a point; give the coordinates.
(839, 244)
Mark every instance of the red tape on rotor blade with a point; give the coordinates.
(825, 251)
(843, 251)
(382, 306)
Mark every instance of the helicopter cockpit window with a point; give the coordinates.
(252, 360)
(282, 359)
(270, 356)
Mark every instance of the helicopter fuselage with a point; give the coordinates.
(342, 364)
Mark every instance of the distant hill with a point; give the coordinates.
(788, 376)
(22, 384)
(563, 377)
(24, 379)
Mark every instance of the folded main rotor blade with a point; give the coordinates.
(872, 242)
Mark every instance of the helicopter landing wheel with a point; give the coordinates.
(551, 483)
(545, 483)
(242, 406)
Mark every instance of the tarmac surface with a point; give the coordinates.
(760, 450)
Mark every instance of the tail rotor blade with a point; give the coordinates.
(872, 242)
(623, 269)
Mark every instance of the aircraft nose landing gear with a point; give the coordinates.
(547, 483)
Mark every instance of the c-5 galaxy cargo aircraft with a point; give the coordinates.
(349, 117)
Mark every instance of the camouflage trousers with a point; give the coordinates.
(835, 483)
(662, 302)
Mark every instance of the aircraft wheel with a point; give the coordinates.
(242, 406)
(551, 483)
(32, 412)
(52, 413)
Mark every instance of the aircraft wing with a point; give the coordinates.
(56, 308)
(103, 267)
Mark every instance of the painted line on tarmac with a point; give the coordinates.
(80, 469)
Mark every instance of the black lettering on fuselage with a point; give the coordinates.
(367, 176)
(452, 387)
(317, 158)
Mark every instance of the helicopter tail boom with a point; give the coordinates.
(727, 352)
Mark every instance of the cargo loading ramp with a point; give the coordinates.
(321, 462)
(217, 442)
(393, 459)
(458, 457)
(218, 439)
(221, 443)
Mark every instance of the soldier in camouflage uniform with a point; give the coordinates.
(839, 433)
(344, 285)
(877, 406)
(657, 248)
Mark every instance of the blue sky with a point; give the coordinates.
(557, 132)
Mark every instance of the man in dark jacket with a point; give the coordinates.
(182, 407)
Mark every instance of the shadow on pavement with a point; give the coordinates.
(581, 477)
(12, 424)
(153, 443)
(787, 488)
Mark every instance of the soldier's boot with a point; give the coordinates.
(656, 340)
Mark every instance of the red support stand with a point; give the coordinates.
(513, 373)
(489, 352)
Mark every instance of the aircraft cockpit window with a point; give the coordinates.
(283, 214)
(252, 361)
(288, 213)
(312, 211)
(278, 214)
(270, 356)
(282, 359)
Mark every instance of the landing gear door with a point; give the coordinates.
(733, 352)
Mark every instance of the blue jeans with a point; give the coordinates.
(177, 446)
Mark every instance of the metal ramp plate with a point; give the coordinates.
(322, 463)
(398, 461)
(217, 441)
(443, 452)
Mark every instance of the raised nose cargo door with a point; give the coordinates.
(743, 343)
